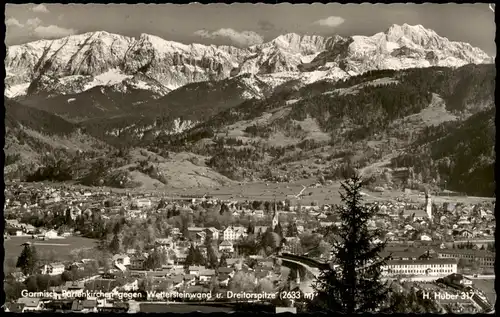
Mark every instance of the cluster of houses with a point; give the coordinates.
(402, 221)
(15, 228)
(168, 278)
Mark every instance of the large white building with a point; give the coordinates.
(142, 203)
(51, 234)
(52, 269)
(234, 233)
(430, 267)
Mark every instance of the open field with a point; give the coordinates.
(62, 247)
(328, 194)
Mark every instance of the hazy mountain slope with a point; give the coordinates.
(180, 109)
(199, 101)
(41, 146)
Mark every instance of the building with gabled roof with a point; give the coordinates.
(29, 304)
(427, 267)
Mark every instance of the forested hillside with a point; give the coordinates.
(325, 119)
(17, 115)
(98, 102)
(370, 100)
(435, 120)
(462, 157)
(37, 138)
(177, 111)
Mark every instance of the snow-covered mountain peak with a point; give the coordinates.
(303, 44)
(162, 45)
(413, 34)
(92, 58)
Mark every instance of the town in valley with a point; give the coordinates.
(279, 158)
(149, 244)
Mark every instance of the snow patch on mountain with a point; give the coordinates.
(16, 90)
(308, 58)
(292, 101)
(111, 77)
(253, 87)
(141, 85)
(334, 73)
(276, 79)
(180, 126)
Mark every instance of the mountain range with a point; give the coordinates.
(80, 62)
(288, 108)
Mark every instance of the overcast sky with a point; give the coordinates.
(247, 24)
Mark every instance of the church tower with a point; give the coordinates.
(275, 216)
(428, 204)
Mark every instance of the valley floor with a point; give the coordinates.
(328, 194)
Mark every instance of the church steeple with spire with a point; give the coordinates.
(275, 216)
(428, 204)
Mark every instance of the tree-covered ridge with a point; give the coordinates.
(295, 128)
(463, 156)
(195, 102)
(459, 87)
(97, 102)
(350, 112)
(387, 93)
(407, 92)
(373, 105)
(18, 115)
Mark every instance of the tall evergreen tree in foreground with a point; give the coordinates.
(28, 260)
(353, 283)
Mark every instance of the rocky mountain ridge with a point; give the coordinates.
(80, 62)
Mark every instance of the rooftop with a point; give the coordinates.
(476, 253)
(422, 262)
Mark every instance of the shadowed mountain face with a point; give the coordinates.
(18, 116)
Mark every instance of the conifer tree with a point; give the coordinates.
(223, 260)
(69, 220)
(212, 256)
(251, 228)
(155, 259)
(28, 260)
(292, 230)
(117, 228)
(199, 259)
(115, 245)
(352, 284)
(279, 230)
(191, 256)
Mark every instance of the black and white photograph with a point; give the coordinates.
(279, 158)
